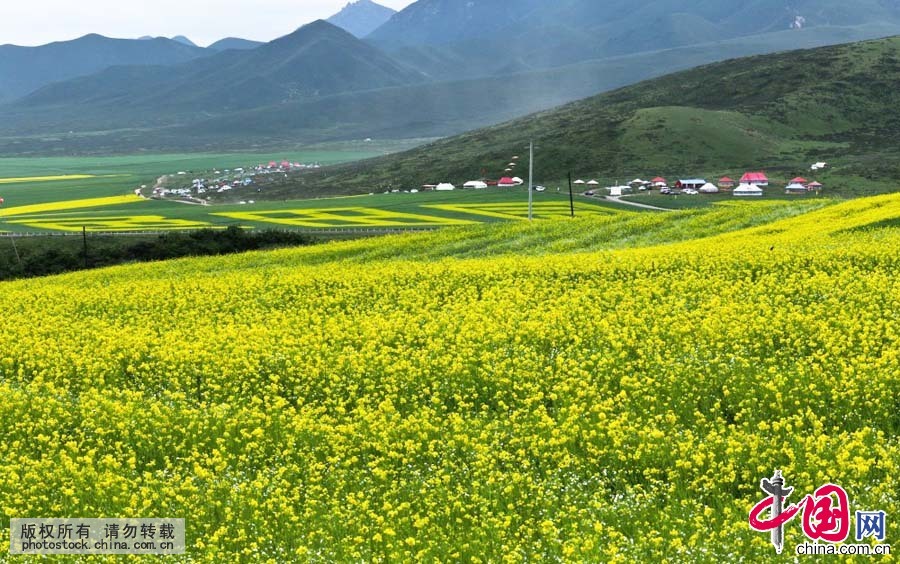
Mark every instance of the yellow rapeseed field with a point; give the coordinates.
(27, 179)
(65, 205)
(617, 405)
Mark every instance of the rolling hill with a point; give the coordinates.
(779, 112)
(362, 17)
(26, 69)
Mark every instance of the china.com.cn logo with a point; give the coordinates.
(825, 514)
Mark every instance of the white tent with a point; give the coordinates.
(709, 189)
(593, 183)
(748, 190)
(477, 184)
(637, 181)
(518, 181)
(445, 187)
(579, 182)
(795, 187)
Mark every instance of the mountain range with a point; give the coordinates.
(436, 68)
(25, 69)
(318, 59)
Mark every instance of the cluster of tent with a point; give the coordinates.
(751, 184)
(801, 185)
(505, 182)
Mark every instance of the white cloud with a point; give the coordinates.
(36, 22)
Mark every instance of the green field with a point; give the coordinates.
(67, 194)
(374, 212)
(121, 175)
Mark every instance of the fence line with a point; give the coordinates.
(318, 231)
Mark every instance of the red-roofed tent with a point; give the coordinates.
(799, 180)
(506, 182)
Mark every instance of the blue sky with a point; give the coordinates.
(35, 22)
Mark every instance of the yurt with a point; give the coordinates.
(476, 184)
(506, 182)
(748, 190)
(709, 188)
(445, 187)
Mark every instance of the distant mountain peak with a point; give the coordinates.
(234, 43)
(184, 40)
(362, 17)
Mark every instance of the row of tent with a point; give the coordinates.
(505, 182)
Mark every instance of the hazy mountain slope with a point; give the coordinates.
(362, 17)
(25, 69)
(234, 43)
(496, 36)
(778, 112)
(447, 21)
(184, 40)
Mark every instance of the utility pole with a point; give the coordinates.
(84, 236)
(571, 196)
(530, 181)
(16, 249)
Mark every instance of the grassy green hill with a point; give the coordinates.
(776, 112)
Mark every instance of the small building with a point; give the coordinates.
(726, 183)
(814, 186)
(709, 188)
(755, 178)
(800, 180)
(691, 183)
(518, 181)
(659, 182)
(795, 188)
(748, 190)
(475, 184)
(445, 187)
(506, 182)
